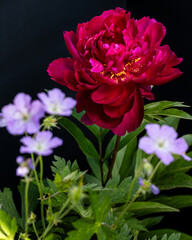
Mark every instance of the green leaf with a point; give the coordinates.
(8, 205)
(163, 105)
(178, 166)
(128, 137)
(188, 139)
(125, 160)
(99, 207)
(118, 193)
(8, 226)
(171, 121)
(178, 201)
(179, 180)
(124, 233)
(173, 112)
(33, 196)
(161, 233)
(144, 208)
(152, 221)
(84, 230)
(85, 144)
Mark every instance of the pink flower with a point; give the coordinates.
(115, 61)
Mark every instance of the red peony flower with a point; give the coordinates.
(115, 61)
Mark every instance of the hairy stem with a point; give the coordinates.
(113, 158)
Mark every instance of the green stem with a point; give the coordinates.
(58, 217)
(154, 171)
(128, 204)
(27, 182)
(41, 192)
(100, 159)
(113, 159)
(39, 185)
(125, 209)
(35, 230)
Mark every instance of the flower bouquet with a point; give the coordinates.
(136, 155)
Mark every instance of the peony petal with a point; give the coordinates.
(62, 71)
(154, 34)
(82, 98)
(119, 111)
(106, 94)
(133, 118)
(70, 40)
(96, 65)
(96, 114)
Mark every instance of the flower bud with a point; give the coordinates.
(50, 122)
(76, 193)
(148, 168)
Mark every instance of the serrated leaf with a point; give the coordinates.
(118, 193)
(144, 208)
(84, 143)
(84, 230)
(160, 233)
(8, 205)
(99, 207)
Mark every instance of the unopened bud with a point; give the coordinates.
(148, 168)
(76, 193)
(50, 122)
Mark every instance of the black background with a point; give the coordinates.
(31, 36)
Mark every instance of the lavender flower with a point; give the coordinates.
(2, 121)
(56, 103)
(163, 141)
(42, 144)
(24, 115)
(24, 166)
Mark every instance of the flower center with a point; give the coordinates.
(120, 76)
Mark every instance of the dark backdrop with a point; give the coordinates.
(31, 37)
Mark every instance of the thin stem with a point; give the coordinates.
(41, 193)
(58, 217)
(154, 171)
(35, 230)
(100, 159)
(113, 158)
(27, 181)
(125, 209)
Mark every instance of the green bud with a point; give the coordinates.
(148, 168)
(49, 122)
(76, 193)
(32, 218)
